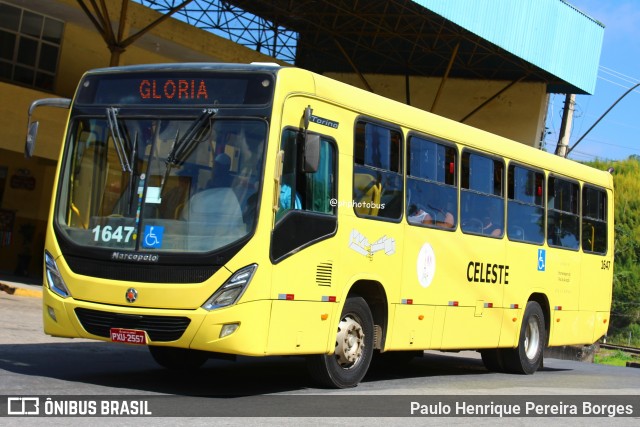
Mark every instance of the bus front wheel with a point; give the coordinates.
(353, 348)
(178, 358)
(527, 357)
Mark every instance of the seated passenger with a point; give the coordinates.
(415, 215)
(285, 198)
(221, 172)
(491, 229)
(489, 226)
(448, 221)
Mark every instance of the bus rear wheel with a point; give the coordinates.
(527, 357)
(353, 351)
(179, 359)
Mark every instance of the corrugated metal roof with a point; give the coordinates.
(550, 34)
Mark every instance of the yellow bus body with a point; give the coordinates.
(479, 289)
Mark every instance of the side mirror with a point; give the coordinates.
(310, 154)
(30, 143)
(32, 127)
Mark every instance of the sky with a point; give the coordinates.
(617, 136)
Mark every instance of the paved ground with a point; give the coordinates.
(22, 286)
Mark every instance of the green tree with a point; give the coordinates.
(626, 280)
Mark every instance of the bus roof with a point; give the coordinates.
(191, 66)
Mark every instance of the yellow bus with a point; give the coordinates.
(220, 209)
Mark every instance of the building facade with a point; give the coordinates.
(46, 46)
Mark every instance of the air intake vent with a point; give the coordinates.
(323, 273)
(159, 328)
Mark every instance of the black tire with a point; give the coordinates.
(492, 359)
(179, 359)
(353, 352)
(527, 357)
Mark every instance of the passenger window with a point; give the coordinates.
(563, 221)
(306, 191)
(525, 210)
(377, 172)
(431, 184)
(594, 220)
(482, 195)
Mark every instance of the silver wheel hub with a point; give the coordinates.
(349, 342)
(531, 339)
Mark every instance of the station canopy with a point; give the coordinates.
(528, 40)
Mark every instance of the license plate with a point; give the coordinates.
(129, 336)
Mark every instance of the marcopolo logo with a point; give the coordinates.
(124, 256)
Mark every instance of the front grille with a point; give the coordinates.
(158, 328)
(140, 272)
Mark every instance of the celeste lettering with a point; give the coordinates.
(173, 89)
(481, 272)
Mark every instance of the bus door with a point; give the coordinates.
(302, 247)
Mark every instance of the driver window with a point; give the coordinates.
(312, 192)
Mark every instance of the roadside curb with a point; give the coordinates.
(12, 290)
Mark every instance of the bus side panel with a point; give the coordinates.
(474, 292)
(511, 321)
(597, 276)
(527, 275)
(438, 326)
(412, 327)
(471, 327)
(564, 288)
(299, 327)
(454, 273)
(564, 283)
(601, 325)
(572, 327)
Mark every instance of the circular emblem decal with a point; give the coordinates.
(426, 265)
(131, 295)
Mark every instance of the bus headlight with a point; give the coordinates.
(232, 289)
(54, 279)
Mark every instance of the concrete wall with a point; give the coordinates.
(518, 113)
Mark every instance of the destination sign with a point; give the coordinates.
(169, 88)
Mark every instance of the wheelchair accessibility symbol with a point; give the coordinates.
(152, 237)
(542, 260)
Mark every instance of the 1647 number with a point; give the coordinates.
(108, 233)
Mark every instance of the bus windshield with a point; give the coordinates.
(186, 184)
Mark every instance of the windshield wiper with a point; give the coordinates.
(183, 146)
(194, 135)
(118, 140)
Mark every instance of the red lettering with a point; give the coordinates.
(145, 91)
(153, 90)
(202, 90)
(169, 89)
(183, 89)
(172, 89)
